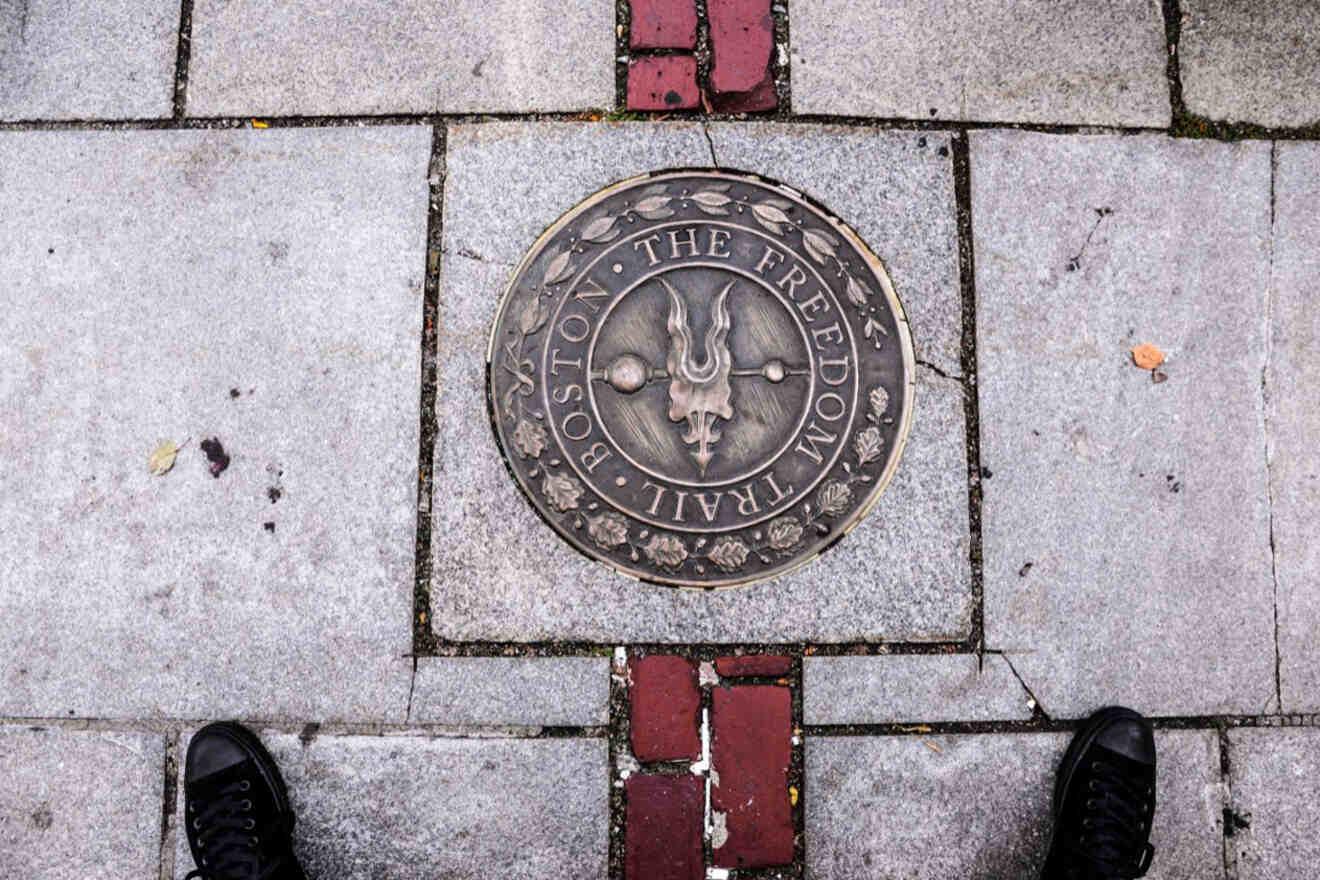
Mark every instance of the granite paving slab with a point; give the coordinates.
(501, 574)
(1126, 521)
(876, 181)
(1071, 62)
(61, 59)
(895, 688)
(978, 805)
(1243, 61)
(1294, 459)
(1274, 802)
(524, 691)
(405, 56)
(80, 803)
(411, 807)
(259, 288)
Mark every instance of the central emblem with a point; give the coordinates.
(699, 393)
(701, 378)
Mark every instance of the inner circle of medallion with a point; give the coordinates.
(765, 463)
(732, 392)
(718, 478)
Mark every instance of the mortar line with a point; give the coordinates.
(622, 38)
(1226, 791)
(698, 650)
(1202, 130)
(422, 639)
(1265, 424)
(182, 59)
(174, 727)
(1173, 67)
(962, 188)
(783, 73)
(617, 746)
(702, 53)
(169, 794)
(798, 764)
(1042, 724)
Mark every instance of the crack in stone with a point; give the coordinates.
(705, 130)
(1013, 669)
(952, 377)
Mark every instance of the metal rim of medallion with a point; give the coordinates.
(620, 538)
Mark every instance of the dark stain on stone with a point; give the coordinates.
(274, 493)
(1026, 567)
(234, 392)
(43, 818)
(308, 733)
(943, 151)
(1235, 822)
(216, 455)
(269, 526)
(986, 473)
(476, 68)
(673, 98)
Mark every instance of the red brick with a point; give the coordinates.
(742, 36)
(662, 840)
(752, 730)
(754, 664)
(763, 97)
(663, 24)
(665, 705)
(666, 82)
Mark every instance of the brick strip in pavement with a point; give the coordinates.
(665, 706)
(664, 828)
(754, 665)
(742, 37)
(662, 24)
(751, 747)
(663, 82)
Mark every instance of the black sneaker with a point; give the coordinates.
(1104, 800)
(236, 808)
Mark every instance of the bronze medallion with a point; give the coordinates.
(701, 378)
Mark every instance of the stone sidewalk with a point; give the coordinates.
(287, 227)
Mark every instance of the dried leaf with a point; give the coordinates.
(1147, 356)
(933, 747)
(162, 458)
(792, 795)
(257, 123)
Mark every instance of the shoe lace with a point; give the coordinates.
(1116, 813)
(233, 847)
